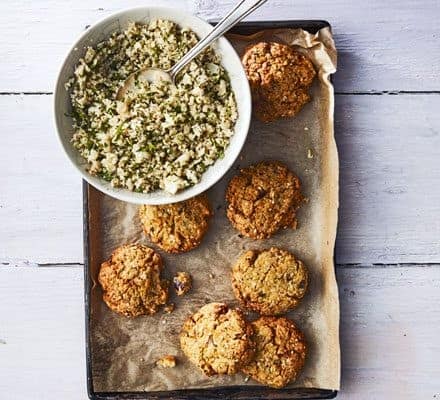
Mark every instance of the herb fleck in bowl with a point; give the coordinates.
(117, 22)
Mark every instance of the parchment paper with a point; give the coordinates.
(124, 351)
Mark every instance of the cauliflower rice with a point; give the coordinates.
(160, 136)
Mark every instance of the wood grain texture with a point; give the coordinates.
(42, 347)
(390, 196)
(388, 352)
(40, 196)
(391, 45)
(390, 179)
(390, 325)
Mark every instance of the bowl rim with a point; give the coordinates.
(145, 198)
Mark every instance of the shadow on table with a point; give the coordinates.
(349, 218)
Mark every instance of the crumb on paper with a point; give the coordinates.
(309, 153)
(169, 308)
(182, 283)
(167, 361)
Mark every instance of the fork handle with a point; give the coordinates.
(240, 11)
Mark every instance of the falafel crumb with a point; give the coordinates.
(169, 308)
(182, 283)
(167, 361)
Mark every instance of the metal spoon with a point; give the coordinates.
(241, 10)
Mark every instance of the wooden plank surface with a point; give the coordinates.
(390, 196)
(389, 178)
(42, 348)
(383, 45)
(390, 327)
(387, 350)
(389, 186)
(40, 196)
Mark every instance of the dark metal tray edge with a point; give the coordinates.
(235, 392)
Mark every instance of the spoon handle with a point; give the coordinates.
(241, 10)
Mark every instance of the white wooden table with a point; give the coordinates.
(388, 248)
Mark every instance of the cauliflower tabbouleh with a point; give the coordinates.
(160, 136)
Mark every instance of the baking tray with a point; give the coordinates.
(235, 392)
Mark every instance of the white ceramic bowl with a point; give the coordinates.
(119, 21)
